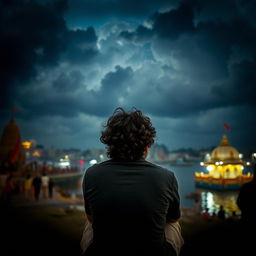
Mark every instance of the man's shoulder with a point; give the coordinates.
(140, 164)
(161, 171)
(95, 167)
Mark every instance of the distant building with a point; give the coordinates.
(224, 168)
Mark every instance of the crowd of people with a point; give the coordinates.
(39, 185)
(220, 214)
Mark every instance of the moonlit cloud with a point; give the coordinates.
(189, 65)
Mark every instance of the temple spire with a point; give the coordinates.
(224, 141)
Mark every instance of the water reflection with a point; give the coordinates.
(214, 199)
(188, 192)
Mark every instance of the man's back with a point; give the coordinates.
(130, 203)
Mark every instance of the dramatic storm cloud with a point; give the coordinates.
(189, 65)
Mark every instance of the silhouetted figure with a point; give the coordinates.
(221, 213)
(247, 204)
(129, 200)
(28, 186)
(50, 187)
(37, 182)
(246, 200)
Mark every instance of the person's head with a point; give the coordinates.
(128, 135)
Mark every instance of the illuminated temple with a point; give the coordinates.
(224, 169)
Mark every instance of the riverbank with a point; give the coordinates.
(54, 226)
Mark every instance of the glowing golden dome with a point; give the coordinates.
(225, 152)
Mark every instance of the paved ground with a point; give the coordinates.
(54, 227)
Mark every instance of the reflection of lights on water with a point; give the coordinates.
(207, 201)
(93, 161)
(209, 198)
(213, 201)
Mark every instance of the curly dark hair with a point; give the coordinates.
(127, 134)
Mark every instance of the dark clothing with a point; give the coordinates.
(37, 182)
(246, 202)
(50, 188)
(222, 214)
(130, 203)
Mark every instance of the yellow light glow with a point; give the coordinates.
(26, 144)
(36, 153)
(201, 163)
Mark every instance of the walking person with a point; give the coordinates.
(37, 182)
(45, 185)
(28, 186)
(50, 187)
(221, 213)
(132, 205)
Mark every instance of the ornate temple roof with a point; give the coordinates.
(10, 138)
(225, 153)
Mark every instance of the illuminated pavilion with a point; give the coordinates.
(12, 154)
(224, 169)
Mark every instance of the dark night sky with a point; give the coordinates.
(189, 65)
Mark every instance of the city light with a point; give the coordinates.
(93, 161)
(36, 153)
(64, 164)
(209, 168)
(26, 144)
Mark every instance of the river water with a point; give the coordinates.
(185, 177)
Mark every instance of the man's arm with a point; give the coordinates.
(86, 205)
(173, 214)
(89, 217)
